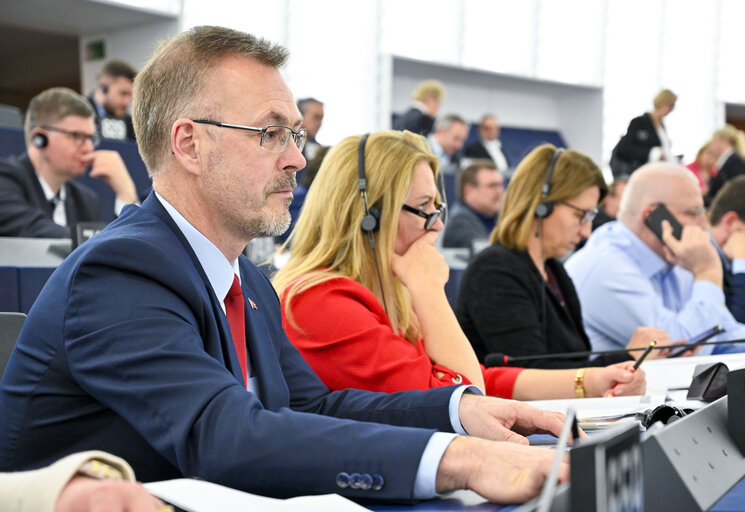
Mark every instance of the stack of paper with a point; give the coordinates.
(201, 496)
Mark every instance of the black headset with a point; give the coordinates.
(545, 207)
(40, 140)
(371, 220)
(665, 414)
(104, 88)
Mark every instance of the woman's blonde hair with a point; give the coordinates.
(734, 136)
(573, 173)
(328, 241)
(664, 97)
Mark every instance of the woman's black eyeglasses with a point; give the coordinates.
(430, 218)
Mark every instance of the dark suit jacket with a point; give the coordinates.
(477, 150)
(463, 226)
(127, 350)
(733, 286)
(732, 167)
(415, 121)
(24, 209)
(632, 151)
(501, 307)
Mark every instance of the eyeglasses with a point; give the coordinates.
(430, 218)
(587, 215)
(274, 138)
(80, 138)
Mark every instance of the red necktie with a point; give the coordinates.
(235, 310)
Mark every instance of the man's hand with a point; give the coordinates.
(641, 338)
(498, 471)
(615, 380)
(109, 166)
(84, 494)
(421, 267)
(505, 420)
(694, 251)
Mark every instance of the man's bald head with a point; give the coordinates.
(658, 182)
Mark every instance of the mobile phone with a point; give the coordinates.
(697, 340)
(655, 218)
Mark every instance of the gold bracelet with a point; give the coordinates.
(579, 383)
(100, 471)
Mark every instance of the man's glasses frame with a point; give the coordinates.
(430, 218)
(587, 215)
(299, 136)
(79, 137)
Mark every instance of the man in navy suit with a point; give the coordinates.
(135, 345)
(727, 218)
(38, 197)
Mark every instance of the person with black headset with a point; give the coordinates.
(515, 297)
(39, 197)
(363, 291)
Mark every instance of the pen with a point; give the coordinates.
(637, 364)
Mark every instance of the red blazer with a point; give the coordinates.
(346, 337)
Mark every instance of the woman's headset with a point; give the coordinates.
(545, 207)
(371, 220)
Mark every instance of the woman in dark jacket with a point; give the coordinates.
(646, 139)
(515, 297)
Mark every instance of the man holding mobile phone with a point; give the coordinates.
(635, 272)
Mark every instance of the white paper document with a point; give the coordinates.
(201, 496)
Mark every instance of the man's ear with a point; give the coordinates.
(647, 210)
(729, 220)
(186, 145)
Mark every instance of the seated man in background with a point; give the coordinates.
(727, 217)
(488, 145)
(38, 198)
(112, 98)
(158, 342)
(627, 277)
(450, 134)
(480, 188)
(312, 111)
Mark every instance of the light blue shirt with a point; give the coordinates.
(438, 151)
(220, 274)
(622, 284)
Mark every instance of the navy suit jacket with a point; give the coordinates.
(478, 150)
(734, 166)
(24, 209)
(127, 350)
(415, 121)
(632, 151)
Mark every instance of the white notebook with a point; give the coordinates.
(200, 496)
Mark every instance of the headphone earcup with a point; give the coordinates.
(543, 210)
(371, 220)
(40, 140)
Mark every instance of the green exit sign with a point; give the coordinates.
(96, 50)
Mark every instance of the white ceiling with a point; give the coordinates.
(75, 17)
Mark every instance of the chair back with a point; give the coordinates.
(11, 116)
(10, 328)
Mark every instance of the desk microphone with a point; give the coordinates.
(500, 359)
